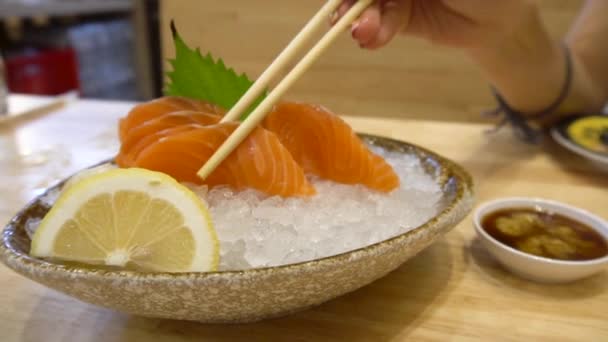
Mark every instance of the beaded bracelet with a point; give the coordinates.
(521, 121)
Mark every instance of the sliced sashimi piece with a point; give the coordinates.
(159, 107)
(126, 158)
(260, 162)
(143, 133)
(326, 146)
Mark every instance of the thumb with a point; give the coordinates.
(395, 17)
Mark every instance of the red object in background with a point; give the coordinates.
(45, 72)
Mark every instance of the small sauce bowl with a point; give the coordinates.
(539, 268)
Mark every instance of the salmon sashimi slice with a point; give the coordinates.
(127, 156)
(141, 133)
(326, 146)
(159, 107)
(261, 162)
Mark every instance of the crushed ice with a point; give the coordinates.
(257, 231)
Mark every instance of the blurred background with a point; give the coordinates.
(117, 49)
(105, 49)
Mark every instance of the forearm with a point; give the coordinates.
(588, 41)
(528, 68)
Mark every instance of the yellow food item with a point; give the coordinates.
(589, 132)
(517, 225)
(131, 219)
(543, 245)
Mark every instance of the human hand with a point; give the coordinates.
(460, 23)
(506, 38)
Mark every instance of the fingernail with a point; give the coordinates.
(354, 27)
(344, 7)
(334, 17)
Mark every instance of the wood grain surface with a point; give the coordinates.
(452, 291)
(410, 78)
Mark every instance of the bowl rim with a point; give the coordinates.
(450, 170)
(559, 136)
(565, 209)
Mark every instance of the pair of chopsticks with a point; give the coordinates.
(245, 128)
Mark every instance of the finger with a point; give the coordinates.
(366, 28)
(395, 18)
(341, 11)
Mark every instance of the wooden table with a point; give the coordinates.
(452, 290)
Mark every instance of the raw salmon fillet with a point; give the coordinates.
(159, 107)
(324, 145)
(150, 131)
(127, 156)
(260, 162)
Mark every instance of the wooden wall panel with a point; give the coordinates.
(410, 78)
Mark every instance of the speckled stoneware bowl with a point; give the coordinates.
(250, 295)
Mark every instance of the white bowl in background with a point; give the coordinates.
(596, 159)
(533, 267)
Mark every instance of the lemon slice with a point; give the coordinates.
(131, 219)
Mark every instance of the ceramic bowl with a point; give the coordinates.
(248, 295)
(533, 267)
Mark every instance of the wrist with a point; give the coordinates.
(524, 64)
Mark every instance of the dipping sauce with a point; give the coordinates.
(545, 234)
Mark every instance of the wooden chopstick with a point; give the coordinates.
(245, 128)
(281, 61)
